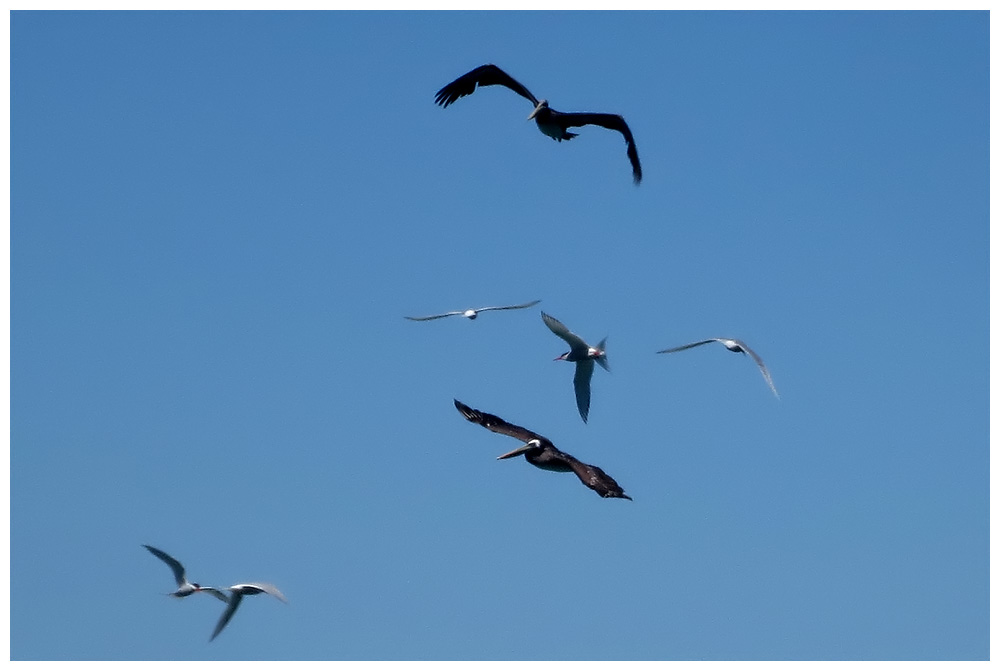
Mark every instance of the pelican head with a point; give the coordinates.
(521, 450)
(542, 104)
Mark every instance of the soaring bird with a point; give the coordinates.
(539, 451)
(550, 122)
(472, 313)
(238, 592)
(584, 355)
(732, 345)
(184, 588)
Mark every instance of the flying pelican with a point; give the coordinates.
(539, 451)
(584, 355)
(732, 345)
(472, 313)
(238, 592)
(550, 122)
(184, 588)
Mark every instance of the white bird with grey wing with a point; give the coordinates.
(237, 593)
(584, 356)
(733, 345)
(472, 313)
(184, 588)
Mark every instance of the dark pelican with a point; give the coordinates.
(472, 313)
(550, 122)
(539, 451)
(584, 355)
(732, 345)
(184, 588)
(238, 592)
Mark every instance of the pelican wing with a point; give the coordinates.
(174, 565)
(581, 384)
(611, 122)
(227, 615)
(760, 364)
(484, 75)
(510, 307)
(688, 346)
(596, 479)
(498, 425)
(446, 314)
(575, 342)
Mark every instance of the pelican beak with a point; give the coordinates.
(538, 108)
(513, 453)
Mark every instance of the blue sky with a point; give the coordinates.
(219, 220)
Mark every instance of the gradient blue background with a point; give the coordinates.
(219, 220)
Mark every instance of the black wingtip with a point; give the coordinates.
(466, 411)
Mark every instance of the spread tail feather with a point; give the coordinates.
(603, 359)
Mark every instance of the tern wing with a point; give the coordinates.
(217, 593)
(446, 314)
(175, 566)
(760, 364)
(688, 346)
(581, 384)
(269, 589)
(510, 307)
(575, 342)
(227, 615)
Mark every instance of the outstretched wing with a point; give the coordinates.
(217, 593)
(596, 479)
(484, 75)
(688, 346)
(760, 364)
(227, 615)
(267, 588)
(446, 314)
(498, 425)
(611, 122)
(174, 565)
(581, 385)
(511, 307)
(575, 342)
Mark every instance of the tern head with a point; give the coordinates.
(542, 104)
(521, 450)
(562, 357)
(471, 314)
